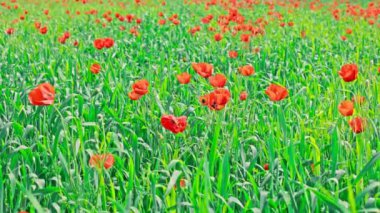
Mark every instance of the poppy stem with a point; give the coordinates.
(102, 189)
(359, 165)
(63, 121)
(103, 145)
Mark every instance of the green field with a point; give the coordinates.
(303, 151)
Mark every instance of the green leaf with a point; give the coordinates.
(367, 167)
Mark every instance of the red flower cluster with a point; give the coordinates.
(207, 19)
(349, 73)
(233, 54)
(195, 30)
(64, 37)
(174, 19)
(101, 43)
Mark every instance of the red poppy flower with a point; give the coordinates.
(204, 100)
(15, 21)
(141, 87)
(233, 54)
(218, 37)
(134, 96)
(343, 38)
(43, 30)
(303, 34)
(76, 43)
(256, 50)
(161, 21)
(62, 40)
(282, 24)
(266, 167)
(203, 69)
(349, 72)
(243, 96)
(211, 29)
(346, 108)
(95, 68)
(216, 100)
(121, 18)
(174, 124)
(194, 30)
(10, 31)
(224, 96)
(205, 20)
(134, 31)
(109, 19)
(276, 92)
(176, 22)
(42, 95)
(348, 31)
(184, 78)
(245, 38)
(108, 42)
(37, 25)
(247, 70)
(182, 183)
(291, 24)
(66, 35)
(218, 80)
(99, 43)
(102, 160)
(357, 125)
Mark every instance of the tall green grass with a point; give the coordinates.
(315, 161)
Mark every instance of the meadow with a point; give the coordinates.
(189, 106)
